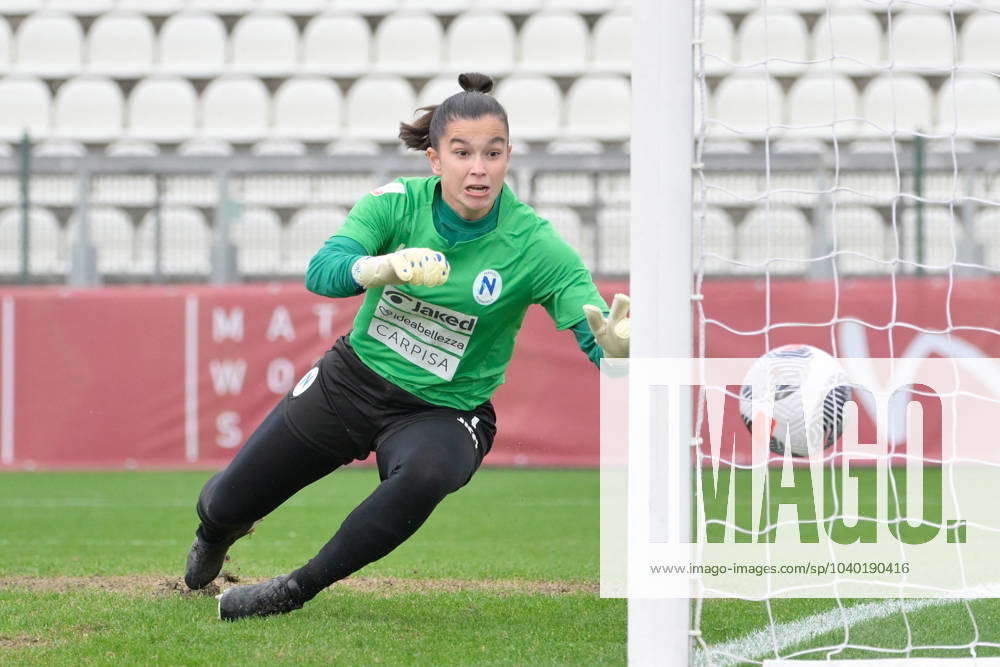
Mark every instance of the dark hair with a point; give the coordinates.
(473, 102)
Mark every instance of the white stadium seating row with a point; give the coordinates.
(196, 44)
(778, 236)
(239, 108)
(819, 102)
(304, 7)
(264, 245)
(851, 40)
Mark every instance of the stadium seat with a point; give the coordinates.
(205, 146)
(367, 7)
(276, 146)
(900, 101)
(376, 105)
(111, 232)
(258, 237)
(225, 7)
(123, 189)
(293, 7)
(865, 240)
(718, 42)
(920, 40)
(27, 105)
(556, 187)
(599, 107)
(778, 235)
(132, 148)
(719, 239)
(968, 106)
(6, 45)
(49, 45)
(612, 44)
(435, 6)
(336, 45)
(942, 238)
(825, 101)
(481, 42)
(120, 45)
(192, 45)
(567, 222)
(438, 89)
(265, 44)
(307, 231)
(272, 189)
(534, 107)
(613, 241)
(614, 188)
(88, 109)
(80, 7)
(554, 42)
(152, 7)
(852, 38)
(235, 108)
(409, 43)
(747, 104)
(510, 6)
(47, 250)
(186, 242)
(986, 227)
(307, 108)
(581, 6)
(776, 36)
(978, 44)
(162, 109)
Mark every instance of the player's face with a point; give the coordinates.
(471, 159)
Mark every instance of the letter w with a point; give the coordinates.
(227, 376)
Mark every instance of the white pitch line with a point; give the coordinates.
(764, 643)
(7, 383)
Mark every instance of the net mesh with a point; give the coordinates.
(844, 197)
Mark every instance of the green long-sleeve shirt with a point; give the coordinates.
(329, 271)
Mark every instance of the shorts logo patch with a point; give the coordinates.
(486, 287)
(306, 381)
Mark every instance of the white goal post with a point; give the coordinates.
(660, 281)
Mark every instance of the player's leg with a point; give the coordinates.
(272, 466)
(419, 464)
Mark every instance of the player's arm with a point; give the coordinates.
(564, 286)
(357, 256)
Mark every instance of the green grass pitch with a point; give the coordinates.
(505, 572)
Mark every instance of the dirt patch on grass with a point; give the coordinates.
(382, 586)
(22, 641)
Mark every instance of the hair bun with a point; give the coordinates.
(474, 82)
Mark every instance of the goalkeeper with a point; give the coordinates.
(449, 265)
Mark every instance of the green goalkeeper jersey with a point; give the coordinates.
(451, 344)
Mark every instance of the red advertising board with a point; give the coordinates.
(179, 376)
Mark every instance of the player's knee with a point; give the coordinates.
(431, 477)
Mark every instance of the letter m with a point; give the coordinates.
(718, 476)
(227, 325)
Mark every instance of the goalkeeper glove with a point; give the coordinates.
(612, 334)
(415, 266)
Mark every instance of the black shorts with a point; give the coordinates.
(348, 409)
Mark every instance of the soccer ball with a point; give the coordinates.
(805, 390)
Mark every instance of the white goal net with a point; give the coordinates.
(846, 196)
